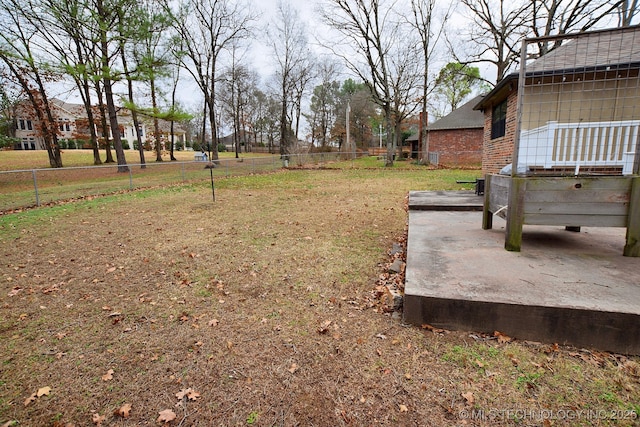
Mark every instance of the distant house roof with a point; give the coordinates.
(464, 117)
(594, 51)
(73, 109)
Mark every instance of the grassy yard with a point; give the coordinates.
(38, 159)
(162, 307)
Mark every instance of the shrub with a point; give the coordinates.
(221, 148)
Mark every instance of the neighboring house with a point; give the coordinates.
(72, 125)
(147, 131)
(28, 126)
(579, 108)
(456, 138)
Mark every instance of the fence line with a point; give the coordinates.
(35, 187)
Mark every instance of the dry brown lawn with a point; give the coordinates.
(260, 309)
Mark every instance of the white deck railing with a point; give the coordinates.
(600, 144)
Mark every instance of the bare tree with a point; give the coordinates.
(18, 50)
(289, 43)
(238, 83)
(496, 30)
(60, 25)
(324, 104)
(429, 33)
(627, 11)
(558, 17)
(365, 25)
(406, 79)
(369, 35)
(207, 29)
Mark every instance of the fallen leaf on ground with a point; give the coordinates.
(293, 368)
(213, 322)
(166, 416)
(125, 410)
(403, 408)
(43, 391)
(468, 396)
(502, 338)
(189, 393)
(182, 393)
(30, 399)
(98, 419)
(324, 327)
(108, 376)
(15, 291)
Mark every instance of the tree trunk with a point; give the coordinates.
(390, 150)
(104, 125)
(115, 129)
(134, 114)
(156, 122)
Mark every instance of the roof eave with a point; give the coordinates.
(497, 92)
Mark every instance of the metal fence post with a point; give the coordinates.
(35, 186)
(130, 179)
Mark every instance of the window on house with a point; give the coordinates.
(67, 127)
(29, 125)
(499, 120)
(22, 125)
(61, 127)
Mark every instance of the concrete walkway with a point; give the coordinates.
(563, 287)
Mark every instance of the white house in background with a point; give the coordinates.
(72, 125)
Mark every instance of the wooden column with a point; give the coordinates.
(487, 215)
(632, 248)
(515, 214)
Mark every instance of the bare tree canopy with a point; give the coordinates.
(499, 25)
(368, 39)
(207, 29)
(288, 41)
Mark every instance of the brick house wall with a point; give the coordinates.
(457, 147)
(498, 152)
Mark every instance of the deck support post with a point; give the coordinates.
(515, 214)
(487, 215)
(632, 247)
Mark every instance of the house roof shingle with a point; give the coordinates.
(597, 50)
(464, 117)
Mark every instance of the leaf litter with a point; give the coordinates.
(158, 319)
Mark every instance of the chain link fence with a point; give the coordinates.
(36, 187)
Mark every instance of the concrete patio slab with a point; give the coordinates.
(563, 287)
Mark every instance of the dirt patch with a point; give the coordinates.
(258, 309)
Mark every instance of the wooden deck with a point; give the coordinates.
(606, 201)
